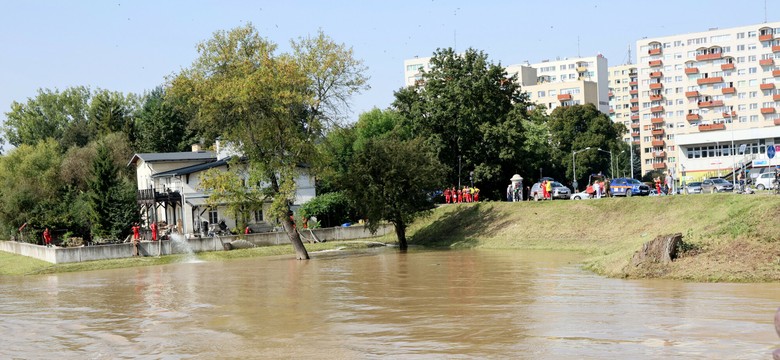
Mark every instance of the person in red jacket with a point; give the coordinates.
(47, 237)
(153, 227)
(136, 232)
(446, 196)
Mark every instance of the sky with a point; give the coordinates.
(132, 46)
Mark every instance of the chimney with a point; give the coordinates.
(197, 147)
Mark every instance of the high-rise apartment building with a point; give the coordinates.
(550, 83)
(708, 100)
(624, 100)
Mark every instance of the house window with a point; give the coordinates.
(213, 216)
(258, 215)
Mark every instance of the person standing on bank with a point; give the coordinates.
(153, 227)
(46, 237)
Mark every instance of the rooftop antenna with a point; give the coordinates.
(578, 44)
(629, 54)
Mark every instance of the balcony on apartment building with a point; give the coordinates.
(767, 86)
(766, 34)
(775, 48)
(659, 131)
(775, 97)
(634, 117)
(636, 142)
(728, 90)
(634, 108)
(656, 97)
(659, 154)
(611, 111)
(709, 56)
(633, 92)
(768, 110)
(633, 83)
(691, 94)
(656, 86)
(657, 120)
(658, 142)
(775, 73)
(656, 74)
(777, 121)
(692, 117)
(766, 62)
(659, 165)
(729, 66)
(709, 80)
(635, 134)
(691, 70)
(729, 114)
(611, 94)
(712, 127)
(654, 51)
(635, 125)
(657, 109)
(655, 63)
(710, 103)
(564, 97)
(634, 100)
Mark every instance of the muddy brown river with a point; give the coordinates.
(382, 304)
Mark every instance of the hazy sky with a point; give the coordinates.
(131, 46)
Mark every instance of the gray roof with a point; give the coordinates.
(174, 156)
(191, 169)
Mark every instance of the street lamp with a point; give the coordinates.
(574, 167)
(611, 169)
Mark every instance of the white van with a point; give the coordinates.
(765, 181)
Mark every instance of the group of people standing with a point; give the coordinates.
(599, 188)
(467, 194)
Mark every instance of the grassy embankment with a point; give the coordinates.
(728, 237)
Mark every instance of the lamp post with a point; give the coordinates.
(574, 167)
(611, 169)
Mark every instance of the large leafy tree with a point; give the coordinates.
(391, 179)
(472, 113)
(111, 112)
(268, 106)
(161, 125)
(576, 127)
(62, 116)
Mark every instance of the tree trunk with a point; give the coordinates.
(295, 239)
(400, 233)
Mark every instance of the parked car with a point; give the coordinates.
(765, 181)
(559, 191)
(692, 188)
(714, 185)
(583, 195)
(628, 187)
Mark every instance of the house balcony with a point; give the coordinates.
(776, 97)
(766, 62)
(635, 126)
(705, 104)
(634, 117)
(766, 37)
(658, 143)
(706, 57)
(658, 131)
(728, 90)
(634, 108)
(776, 48)
(657, 109)
(768, 86)
(633, 83)
(656, 63)
(710, 80)
(659, 154)
(691, 94)
(656, 51)
(564, 97)
(725, 67)
(712, 127)
(633, 92)
(657, 120)
(656, 97)
(691, 70)
(768, 110)
(656, 86)
(151, 196)
(692, 117)
(656, 74)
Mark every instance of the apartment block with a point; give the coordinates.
(624, 100)
(708, 101)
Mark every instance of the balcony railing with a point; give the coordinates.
(775, 73)
(657, 120)
(659, 154)
(657, 109)
(634, 108)
(728, 114)
(776, 97)
(725, 67)
(710, 80)
(691, 70)
(656, 74)
(703, 104)
(635, 134)
(728, 90)
(564, 97)
(691, 93)
(633, 92)
(656, 86)
(658, 131)
(766, 62)
(658, 143)
(776, 48)
(635, 126)
(660, 165)
(633, 83)
(656, 51)
(712, 127)
(777, 121)
(705, 57)
(634, 117)
(655, 63)
(767, 86)
(692, 117)
(634, 100)
(656, 97)
(768, 110)
(766, 37)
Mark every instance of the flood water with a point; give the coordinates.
(382, 304)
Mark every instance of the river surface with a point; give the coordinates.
(382, 304)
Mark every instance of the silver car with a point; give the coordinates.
(716, 185)
(692, 188)
(559, 191)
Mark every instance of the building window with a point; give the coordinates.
(258, 215)
(213, 216)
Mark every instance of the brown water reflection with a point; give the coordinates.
(380, 304)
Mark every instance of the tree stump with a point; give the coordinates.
(661, 250)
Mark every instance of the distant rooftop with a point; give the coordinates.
(174, 156)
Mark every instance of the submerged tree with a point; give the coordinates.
(392, 179)
(267, 106)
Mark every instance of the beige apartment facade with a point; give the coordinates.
(624, 100)
(708, 101)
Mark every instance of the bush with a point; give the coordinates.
(331, 209)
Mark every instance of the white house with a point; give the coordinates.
(170, 183)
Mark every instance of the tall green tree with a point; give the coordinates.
(111, 198)
(62, 116)
(111, 112)
(265, 105)
(392, 179)
(472, 112)
(576, 127)
(161, 125)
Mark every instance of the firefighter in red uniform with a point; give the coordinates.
(153, 227)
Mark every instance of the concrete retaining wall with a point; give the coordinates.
(57, 255)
